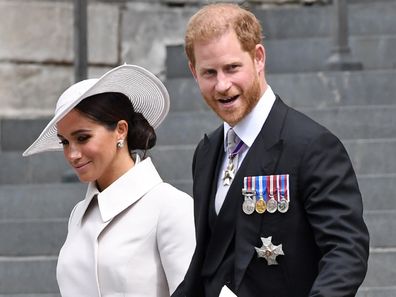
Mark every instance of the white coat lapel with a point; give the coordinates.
(128, 189)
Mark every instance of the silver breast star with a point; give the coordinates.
(269, 251)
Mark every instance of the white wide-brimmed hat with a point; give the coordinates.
(146, 92)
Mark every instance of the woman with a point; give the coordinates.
(133, 234)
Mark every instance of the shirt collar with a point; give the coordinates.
(250, 126)
(126, 190)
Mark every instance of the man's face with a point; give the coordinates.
(230, 80)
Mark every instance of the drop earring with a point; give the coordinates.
(120, 143)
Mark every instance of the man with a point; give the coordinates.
(280, 214)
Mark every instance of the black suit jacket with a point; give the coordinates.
(323, 235)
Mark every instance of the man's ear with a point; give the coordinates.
(192, 69)
(259, 57)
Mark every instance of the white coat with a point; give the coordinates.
(136, 239)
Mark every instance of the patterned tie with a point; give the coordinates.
(234, 147)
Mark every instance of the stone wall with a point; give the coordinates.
(36, 44)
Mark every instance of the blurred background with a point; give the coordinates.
(335, 60)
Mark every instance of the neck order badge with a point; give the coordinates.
(234, 147)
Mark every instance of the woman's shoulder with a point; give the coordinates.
(170, 199)
(75, 212)
(170, 193)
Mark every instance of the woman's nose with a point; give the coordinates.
(73, 153)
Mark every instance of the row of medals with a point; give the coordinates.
(251, 204)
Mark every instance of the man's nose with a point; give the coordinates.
(223, 83)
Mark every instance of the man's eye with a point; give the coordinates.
(233, 67)
(209, 72)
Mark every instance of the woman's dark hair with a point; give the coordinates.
(110, 108)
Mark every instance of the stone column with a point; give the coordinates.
(341, 57)
(80, 40)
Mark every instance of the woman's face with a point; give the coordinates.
(90, 148)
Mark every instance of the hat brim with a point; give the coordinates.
(146, 92)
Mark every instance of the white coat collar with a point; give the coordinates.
(125, 191)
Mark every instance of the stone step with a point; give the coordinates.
(19, 134)
(294, 44)
(39, 201)
(376, 292)
(332, 89)
(347, 118)
(351, 122)
(28, 275)
(32, 238)
(41, 221)
(174, 162)
(304, 54)
(300, 90)
(371, 157)
(42, 168)
(378, 191)
(296, 22)
(303, 90)
(311, 54)
(382, 228)
(364, 154)
(30, 295)
(381, 268)
(46, 237)
(37, 274)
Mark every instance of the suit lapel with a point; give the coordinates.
(204, 186)
(262, 159)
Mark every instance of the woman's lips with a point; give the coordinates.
(80, 167)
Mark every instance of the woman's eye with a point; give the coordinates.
(83, 138)
(63, 142)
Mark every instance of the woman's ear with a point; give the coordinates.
(122, 129)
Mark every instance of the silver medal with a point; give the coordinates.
(248, 205)
(272, 205)
(283, 205)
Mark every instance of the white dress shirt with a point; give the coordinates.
(247, 130)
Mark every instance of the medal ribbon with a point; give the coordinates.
(270, 186)
(258, 189)
(277, 187)
(283, 189)
(261, 183)
(286, 187)
(247, 184)
(263, 187)
(236, 150)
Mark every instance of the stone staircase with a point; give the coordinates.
(359, 107)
